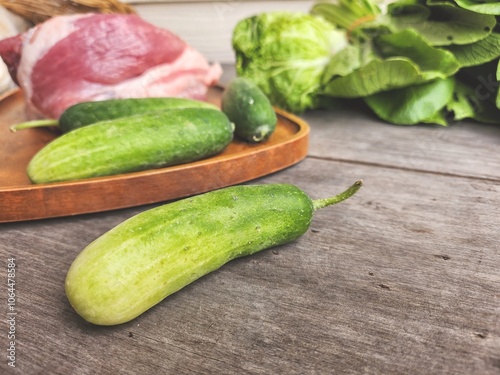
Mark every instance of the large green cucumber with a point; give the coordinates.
(146, 258)
(86, 113)
(246, 105)
(133, 143)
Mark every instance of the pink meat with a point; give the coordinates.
(76, 58)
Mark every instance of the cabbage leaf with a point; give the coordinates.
(481, 6)
(468, 104)
(397, 60)
(441, 23)
(415, 104)
(477, 53)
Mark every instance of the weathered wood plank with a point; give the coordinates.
(403, 278)
(465, 149)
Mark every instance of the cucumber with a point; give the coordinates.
(249, 109)
(132, 144)
(82, 114)
(87, 113)
(146, 258)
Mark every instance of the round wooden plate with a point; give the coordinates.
(239, 162)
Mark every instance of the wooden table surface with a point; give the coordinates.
(403, 278)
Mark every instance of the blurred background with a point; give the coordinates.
(207, 25)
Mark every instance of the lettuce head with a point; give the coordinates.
(285, 54)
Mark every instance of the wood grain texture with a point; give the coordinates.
(402, 278)
(354, 133)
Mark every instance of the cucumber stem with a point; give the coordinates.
(33, 124)
(321, 203)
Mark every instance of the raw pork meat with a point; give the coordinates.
(76, 58)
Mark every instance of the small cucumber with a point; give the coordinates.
(146, 258)
(249, 109)
(87, 113)
(133, 143)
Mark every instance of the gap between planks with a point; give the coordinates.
(418, 170)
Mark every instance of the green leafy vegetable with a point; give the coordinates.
(480, 86)
(411, 61)
(442, 23)
(403, 59)
(285, 54)
(468, 104)
(481, 6)
(414, 104)
(478, 53)
(350, 15)
(460, 106)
